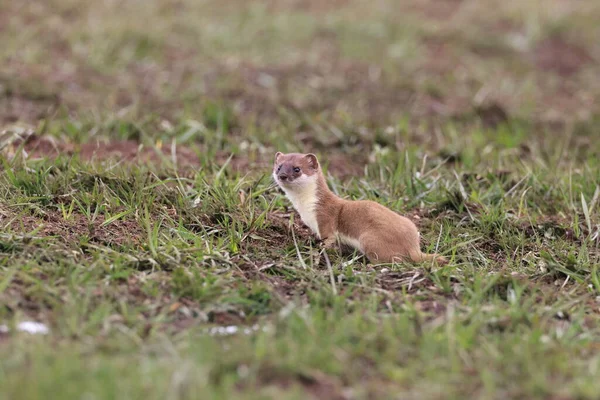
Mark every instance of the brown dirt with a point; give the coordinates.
(441, 58)
(77, 227)
(492, 114)
(188, 157)
(259, 271)
(411, 282)
(317, 7)
(343, 166)
(129, 151)
(316, 384)
(329, 87)
(19, 107)
(322, 83)
(432, 308)
(281, 224)
(551, 227)
(16, 298)
(254, 91)
(557, 55)
(120, 150)
(22, 102)
(278, 236)
(438, 10)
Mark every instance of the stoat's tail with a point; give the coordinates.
(421, 257)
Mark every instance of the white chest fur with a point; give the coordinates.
(304, 199)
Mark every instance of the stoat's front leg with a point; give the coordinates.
(324, 244)
(328, 242)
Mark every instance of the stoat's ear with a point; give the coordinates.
(277, 155)
(312, 161)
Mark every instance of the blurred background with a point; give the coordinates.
(323, 69)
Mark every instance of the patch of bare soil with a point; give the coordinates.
(272, 239)
(18, 103)
(316, 384)
(557, 55)
(280, 225)
(17, 107)
(322, 84)
(439, 10)
(78, 227)
(266, 272)
(492, 114)
(16, 298)
(317, 7)
(441, 58)
(550, 227)
(342, 166)
(427, 297)
(328, 87)
(120, 150)
(187, 157)
(410, 280)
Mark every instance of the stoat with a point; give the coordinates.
(379, 233)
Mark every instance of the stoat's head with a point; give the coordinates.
(294, 171)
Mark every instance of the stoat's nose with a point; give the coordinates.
(282, 177)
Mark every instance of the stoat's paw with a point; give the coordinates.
(315, 255)
(327, 243)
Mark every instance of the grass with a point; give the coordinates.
(139, 221)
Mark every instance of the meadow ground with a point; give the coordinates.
(139, 222)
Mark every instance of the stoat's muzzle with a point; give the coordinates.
(287, 174)
(283, 177)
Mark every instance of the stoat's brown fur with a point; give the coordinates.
(381, 234)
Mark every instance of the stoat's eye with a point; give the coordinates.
(296, 169)
(279, 168)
